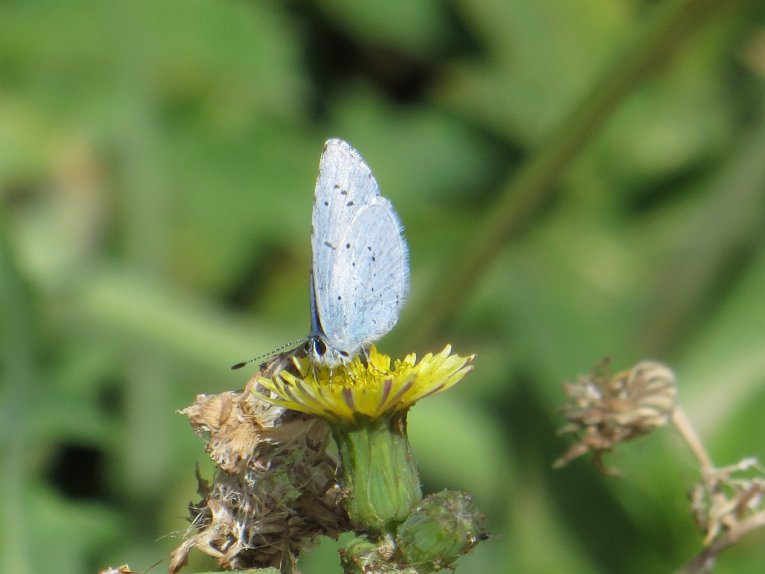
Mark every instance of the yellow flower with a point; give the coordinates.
(368, 388)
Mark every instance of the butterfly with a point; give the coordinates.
(359, 276)
(360, 268)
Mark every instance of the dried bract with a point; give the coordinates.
(727, 499)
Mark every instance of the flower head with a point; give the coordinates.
(606, 410)
(274, 490)
(367, 388)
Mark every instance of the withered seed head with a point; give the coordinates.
(605, 410)
(275, 487)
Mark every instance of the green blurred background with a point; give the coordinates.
(157, 163)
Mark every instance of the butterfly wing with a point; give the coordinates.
(371, 278)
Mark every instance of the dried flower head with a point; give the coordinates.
(605, 410)
(729, 500)
(275, 490)
(366, 387)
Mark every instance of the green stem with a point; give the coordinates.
(532, 188)
(19, 345)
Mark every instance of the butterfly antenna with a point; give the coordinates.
(157, 563)
(266, 355)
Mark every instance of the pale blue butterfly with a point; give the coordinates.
(360, 268)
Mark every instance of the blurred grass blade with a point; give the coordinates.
(18, 344)
(729, 222)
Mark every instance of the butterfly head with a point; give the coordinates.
(324, 354)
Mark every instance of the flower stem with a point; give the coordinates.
(682, 423)
(702, 563)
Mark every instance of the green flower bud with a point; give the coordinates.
(442, 528)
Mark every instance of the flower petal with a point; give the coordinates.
(368, 388)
